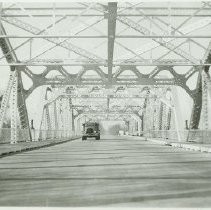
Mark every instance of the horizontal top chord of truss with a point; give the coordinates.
(72, 11)
(134, 62)
(103, 96)
(108, 113)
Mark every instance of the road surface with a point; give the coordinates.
(114, 172)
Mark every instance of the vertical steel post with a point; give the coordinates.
(71, 116)
(13, 106)
(0, 18)
(205, 101)
(112, 13)
(6, 97)
(55, 115)
(48, 117)
(164, 117)
(197, 104)
(30, 49)
(168, 125)
(160, 121)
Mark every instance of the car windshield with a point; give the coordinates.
(89, 130)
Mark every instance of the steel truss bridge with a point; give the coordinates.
(106, 61)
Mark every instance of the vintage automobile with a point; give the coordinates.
(91, 130)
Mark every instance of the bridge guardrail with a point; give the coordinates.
(37, 135)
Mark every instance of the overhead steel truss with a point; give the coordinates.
(114, 13)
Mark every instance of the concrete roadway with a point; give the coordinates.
(111, 172)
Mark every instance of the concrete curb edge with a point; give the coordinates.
(27, 149)
(197, 148)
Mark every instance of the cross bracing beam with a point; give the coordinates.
(116, 115)
(184, 30)
(66, 40)
(6, 47)
(160, 41)
(29, 40)
(137, 79)
(181, 33)
(204, 4)
(90, 109)
(108, 113)
(152, 45)
(103, 96)
(119, 78)
(36, 31)
(169, 30)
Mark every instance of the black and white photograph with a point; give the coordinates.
(105, 104)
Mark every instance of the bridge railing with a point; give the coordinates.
(199, 136)
(37, 135)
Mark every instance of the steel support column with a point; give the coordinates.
(13, 106)
(197, 104)
(112, 13)
(55, 115)
(71, 115)
(22, 109)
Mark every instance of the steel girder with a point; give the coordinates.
(150, 79)
(21, 97)
(110, 116)
(94, 108)
(156, 113)
(160, 41)
(197, 93)
(63, 43)
(150, 11)
(140, 79)
(6, 47)
(112, 14)
(116, 63)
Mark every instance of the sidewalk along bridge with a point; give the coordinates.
(142, 64)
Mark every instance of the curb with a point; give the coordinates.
(160, 142)
(27, 149)
(181, 145)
